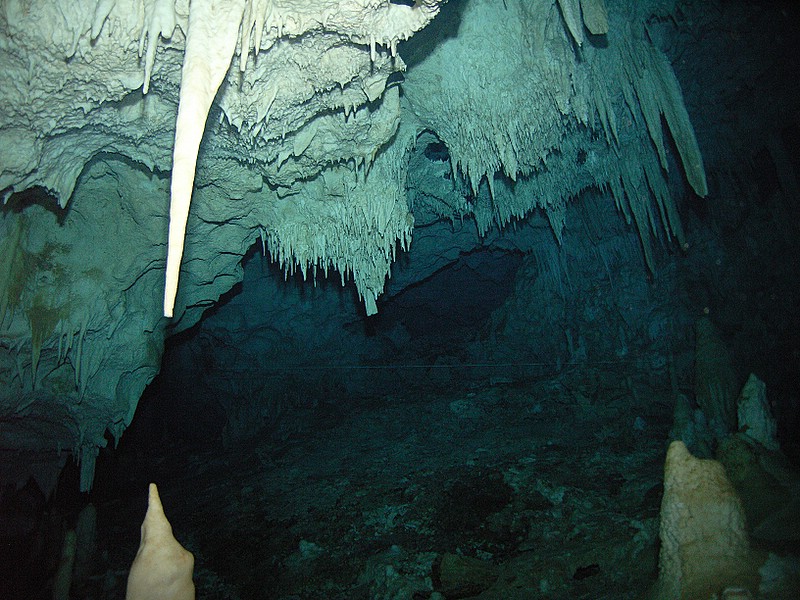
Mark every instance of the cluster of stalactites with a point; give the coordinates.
(340, 220)
(261, 23)
(215, 29)
(378, 24)
(580, 115)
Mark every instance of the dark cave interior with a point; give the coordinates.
(508, 408)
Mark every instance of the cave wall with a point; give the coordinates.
(100, 82)
(744, 97)
(308, 149)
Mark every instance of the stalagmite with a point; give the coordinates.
(63, 578)
(754, 416)
(162, 569)
(715, 379)
(704, 545)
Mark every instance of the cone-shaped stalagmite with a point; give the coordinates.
(162, 569)
(704, 544)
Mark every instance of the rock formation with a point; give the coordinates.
(704, 545)
(162, 568)
(134, 133)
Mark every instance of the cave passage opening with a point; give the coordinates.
(215, 372)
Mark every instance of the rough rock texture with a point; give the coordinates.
(305, 145)
(715, 379)
(81, 339)
(596, 275)
(462, 577)
(754, 415)
(63, 577)
(349, 496)
(739, 268)
(704, 545)
(592, 118)
(80, 336)
(768, 485)
(355, 499)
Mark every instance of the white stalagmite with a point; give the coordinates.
(162, 568)
(704, 543)
(210, 44)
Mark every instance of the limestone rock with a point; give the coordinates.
(162, 569)
(306, 147)
(755, 418)
(715, 381)
(704, 544)
(768, 485)
(689, 426)
(63, 578)
(94, 127)
(595, 16)
(86, 534)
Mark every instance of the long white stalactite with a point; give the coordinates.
(210, 45)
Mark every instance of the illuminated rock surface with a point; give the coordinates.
(391, 204)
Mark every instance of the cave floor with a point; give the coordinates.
(553, 485)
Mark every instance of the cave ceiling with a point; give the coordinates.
(145, 146)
